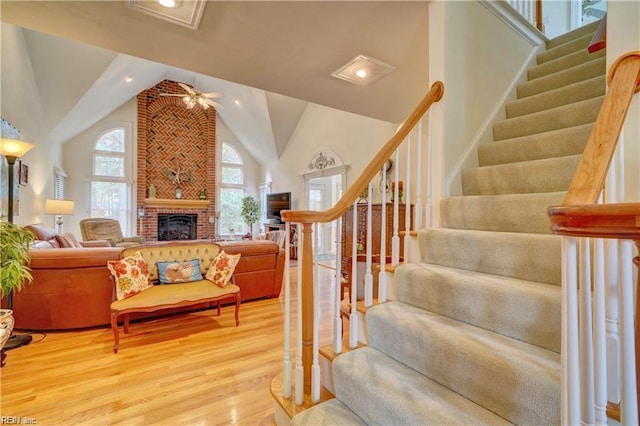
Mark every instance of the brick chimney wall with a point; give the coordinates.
(170, 138)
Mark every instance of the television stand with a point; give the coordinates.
(292, 236)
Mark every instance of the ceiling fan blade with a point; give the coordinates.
(171, 94)
(213, 104)
(212, 95)
(187, 88)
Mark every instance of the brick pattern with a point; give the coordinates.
(171, 137)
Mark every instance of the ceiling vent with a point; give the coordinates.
(362, 70)
(186, 13)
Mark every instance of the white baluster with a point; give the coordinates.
(382, 275)
(368, 277)
(353, 316)
(628, 400)
(299, 376)
(570, 360)
(407, 202)
(315, 366)
(417, 212)
(286, 373)
(599, 334)
(395, 239)
(337, 319)
(586, 337)
(429, 174)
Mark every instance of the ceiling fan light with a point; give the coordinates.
(167, 3)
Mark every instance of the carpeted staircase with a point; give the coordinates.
(474, 337)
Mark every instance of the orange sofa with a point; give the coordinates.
(72, 287)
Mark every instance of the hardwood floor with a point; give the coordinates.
(194, 368)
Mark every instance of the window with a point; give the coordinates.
(110, 188)
(231, 192)
(59, 176)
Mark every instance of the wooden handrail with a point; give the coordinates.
(350, 196)
(588, 181)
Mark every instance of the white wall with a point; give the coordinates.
(20, 105)
(623, 36)
(354, 138)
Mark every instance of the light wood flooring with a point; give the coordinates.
(188, 369)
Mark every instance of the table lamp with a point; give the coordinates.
(59, 208)
(13, 149)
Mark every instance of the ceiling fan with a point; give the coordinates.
(194, 97)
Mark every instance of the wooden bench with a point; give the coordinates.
(168, 296)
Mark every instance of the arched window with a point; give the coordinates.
(231, 192)
(110, 187)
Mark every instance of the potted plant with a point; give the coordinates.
(14, 270)
(250, 211)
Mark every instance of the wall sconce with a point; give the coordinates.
(59, 208)
(140, 211)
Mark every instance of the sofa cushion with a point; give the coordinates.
(130, 274)
(67, 240)
(222, 268)
(179, 272)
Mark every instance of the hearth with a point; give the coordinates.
(173, 227)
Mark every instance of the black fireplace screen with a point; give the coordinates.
(177, 227)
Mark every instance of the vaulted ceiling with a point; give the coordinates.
(270, 57)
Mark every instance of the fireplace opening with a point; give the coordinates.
(173, 227)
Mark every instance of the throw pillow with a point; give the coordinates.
(67, 240)
(130, 274)
(222, 268)
(179, 272)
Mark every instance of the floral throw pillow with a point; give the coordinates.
(179, 272)
(130, 274)
(222, 268)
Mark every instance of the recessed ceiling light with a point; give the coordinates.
(167, 3)
(128, 79)
(362, 70)
(237, 102)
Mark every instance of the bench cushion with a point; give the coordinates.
(158, 296)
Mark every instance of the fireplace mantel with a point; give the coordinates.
(176, 203)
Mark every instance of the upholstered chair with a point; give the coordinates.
(107, 229)
(47, 237)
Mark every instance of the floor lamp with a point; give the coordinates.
(12, 150)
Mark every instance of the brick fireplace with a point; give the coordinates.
(174, 140)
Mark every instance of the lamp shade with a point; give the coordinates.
(59, 207)
(14, 148)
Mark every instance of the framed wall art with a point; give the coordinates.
(23, 173)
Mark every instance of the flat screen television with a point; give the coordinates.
(277, 202)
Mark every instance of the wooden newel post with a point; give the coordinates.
(307, 303)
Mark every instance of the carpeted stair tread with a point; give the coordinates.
(575, 114)
(531, 257)
(580, 72)
(515, 380)
(390, 393)
(578, 32)
(546, 175)
(331, 412)
(500, 213)
(555, 143)
(570, 46)
(568, 94)
(508, 306)
(564, 62)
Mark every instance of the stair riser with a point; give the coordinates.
(524, 256)
(577, 92)
(571, 115)
(567, 48)
(502, 376)
(509, 307)
(563, 78)
(515, 213)
(557, 143)
(549, 175)
(563, 63)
